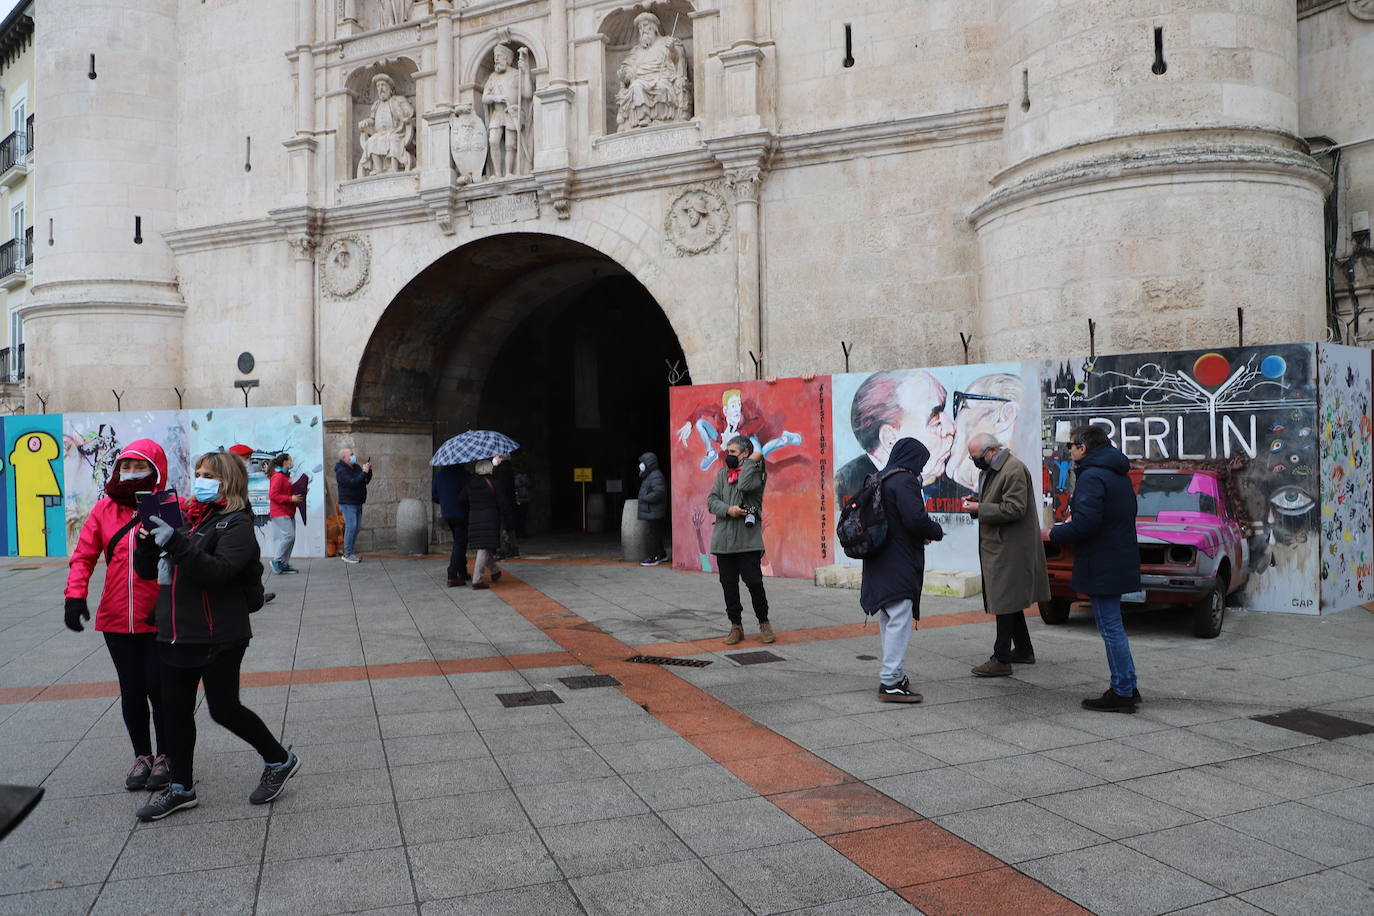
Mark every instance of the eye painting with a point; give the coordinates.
(1291, 500)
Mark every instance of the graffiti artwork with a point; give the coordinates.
(787, 423)
(32, 477)
(1347, 508)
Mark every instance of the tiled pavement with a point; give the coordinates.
(782, 787)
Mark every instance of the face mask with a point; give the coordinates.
(641, 467)
(134, 475)
(732, 461)
(205, 490)
(981, 463)
(352, 459)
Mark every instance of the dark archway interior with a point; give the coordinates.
(544, 339)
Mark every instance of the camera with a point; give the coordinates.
(751, 517)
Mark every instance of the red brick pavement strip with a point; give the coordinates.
(937, 871)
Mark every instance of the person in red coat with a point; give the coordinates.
(126, 603)
(282, 513)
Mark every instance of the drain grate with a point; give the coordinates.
(763, 656)
(584, 681)
(528, 698)
(1316, 724)
(867, 658)
(664, 660)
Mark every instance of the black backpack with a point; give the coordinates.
(863, 521)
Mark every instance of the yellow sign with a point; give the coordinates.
(582, 475)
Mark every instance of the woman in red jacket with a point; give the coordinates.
(126, 603)
(282, 513)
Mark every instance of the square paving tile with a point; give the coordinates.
(733, 825)
(411, 749)
(1200, 791)
(773, 879)
(1259, 736)
(565, 765)
(962, 746)
(218, 891)
(873, 759)
(934, 792)
(543, 736)
(1112, 879)
(1221, 856)
(1019, 831)
(335, 884)
(428, 780)
(554, 899)
(929, 852)
(613, 845)
(1114, 811)
(995, 892)
(452, 817)
(1186, 747)
(1278, 777)
(1332, 757)
(1328, 892)
(1112, 760)
(1029, 775)
(332, 831)
(651, 754)
(191, 847)
(79, 860)
(484, 863)
(673, 889)
(1329, 839)
(60, 901)
(551, 804)
(1355, 804)
(686, 786)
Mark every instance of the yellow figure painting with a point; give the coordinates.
(34, 483)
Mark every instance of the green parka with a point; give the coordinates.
(731, 535)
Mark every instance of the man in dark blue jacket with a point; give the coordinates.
(449, 482)
(352, 479)
(893, 578)
(653, 506)
(1106, 557)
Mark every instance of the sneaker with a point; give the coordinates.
(454, 583)
(1027, 659)
(276, 568)
(650, 561)
(480, 585)
(350, 558)
(161, 776)
(138, 774)
(1135, 697)
(174, 798)
(898, 693)
(766, 633)
(268, 596)
(274, 777)
(735, 635)
(288, 570)
(1111, 701)
(992, 668)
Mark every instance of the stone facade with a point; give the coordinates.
(883, 173)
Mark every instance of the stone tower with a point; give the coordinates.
(106, 312)
(1153, 180)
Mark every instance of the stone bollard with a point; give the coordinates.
(412, 527)
(634, 534)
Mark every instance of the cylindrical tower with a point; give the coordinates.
(1153, 181)
(106, 312)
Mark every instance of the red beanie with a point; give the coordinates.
(241, 450)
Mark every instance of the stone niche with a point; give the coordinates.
(383, 128)
(508, 100)
(648, 84)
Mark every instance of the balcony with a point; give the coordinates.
(14, 159)
(12, 364)
(14, 262)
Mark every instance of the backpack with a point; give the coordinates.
(862, 530)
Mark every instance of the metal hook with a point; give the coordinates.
(965, 340)
(180, 393)
(847, 348)
(1092, 339)
(119, 399)
(319, 391)
(758, 364)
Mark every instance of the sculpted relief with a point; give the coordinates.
(387, 134)
(654, 86)
(507, 102)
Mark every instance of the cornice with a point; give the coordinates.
(221, 235)
(889, 137)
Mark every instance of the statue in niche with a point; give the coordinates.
(467, 143)
(653, 78)
(388, 133)
(506, 97)
(393, 12)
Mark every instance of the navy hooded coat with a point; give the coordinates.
(898, 570)
(1101, 525)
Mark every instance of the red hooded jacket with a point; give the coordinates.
(281, 496)
(127, 600)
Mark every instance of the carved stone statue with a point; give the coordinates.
(388, 133)
(393, 12)
(468, 144)
(653, 78)
(506, 98)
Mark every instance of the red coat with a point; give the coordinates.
(279, 494)
(127, 600)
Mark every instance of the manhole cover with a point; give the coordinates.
(584, 681)
(754, 658)
(663, 660)
(528, 698)
(1316, 724)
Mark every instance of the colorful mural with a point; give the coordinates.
(788, 422)
(1347, 505)
(32, 480)
(943, 408)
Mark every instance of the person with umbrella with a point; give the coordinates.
(488, 511)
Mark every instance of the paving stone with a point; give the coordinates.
(191, 848)
(1328, 839)
(1332, 757)
(577, 802)
(773, 879)
(1222, 857)
(1186, 747)
(733, 825)
(820, 733)
(1019, 831)
(873, 759)
(1278, 777)
(1226, 906)
(429, 780)
(538, 767)
(1112, 879)
(1112, 760)
(962, 746)
(1114, 811)
(652, 754)
(431, 722)
(1259, 736)
(332, 831)
(621, 729)
(59, 901)
(554, 899)
(1030, 775)
(1200, 792)
(1361, 869)
(312, 791)
(1329, 892)
(673, 889)
(73, 818)
(1039, 734)
(452, 817)
(215, 892)
(484, 863)
(336, 757)
(613, 845)
(413, 749)
(1356, 804)
(335, 884)
(546, 736)
(685, 786)
(944, 791)
(884, 904)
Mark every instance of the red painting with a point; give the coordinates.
(788, 422)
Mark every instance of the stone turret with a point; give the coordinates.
(1152, 180)
(106, 307)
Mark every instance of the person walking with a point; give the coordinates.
(125, 602)
(447, 490)
(283, 513)
(653, 507)
(209, 573)
(352, 480)
(893, 577)
(1010, 551)
(736, 500)
(503, 475)
(485, 506)
(1106, 556)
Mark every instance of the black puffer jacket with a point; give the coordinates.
(486, 508)
(898, 571)
(653, 490)
(1101, 525)
(215, 564)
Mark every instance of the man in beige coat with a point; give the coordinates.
(1010, 550)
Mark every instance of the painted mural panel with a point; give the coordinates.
(788, 421)
(1254, 407)
(268, 431)
(92, 441)
(1347, 505)
(943, 408)
(33, 483)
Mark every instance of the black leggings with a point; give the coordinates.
(135, 660)
(747, 566)
(458, 559)
(1012, 636)
(221, 677)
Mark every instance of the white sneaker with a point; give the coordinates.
(350, 558)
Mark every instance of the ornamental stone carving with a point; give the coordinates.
(392, 12)
(507, 98)
(345, 267)
(654, 87)
(387, 135)
(697, 219)
(1362, 9)
(467, 139)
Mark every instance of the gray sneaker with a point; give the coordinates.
(161, 775)
(138, 774)
(274, 777)
(173, 799)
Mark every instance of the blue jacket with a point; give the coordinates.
(1101, 525)
(897, 572)
(448, 484)
(353, 481)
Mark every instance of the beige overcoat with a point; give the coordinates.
(1009, 544)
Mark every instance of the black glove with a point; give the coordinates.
(74, 611)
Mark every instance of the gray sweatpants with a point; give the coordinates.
(284, 527)
(894, 631)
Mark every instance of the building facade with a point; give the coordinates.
(17, 182)
(537, 214)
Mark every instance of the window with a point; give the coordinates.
(17, 223)
(18, 119)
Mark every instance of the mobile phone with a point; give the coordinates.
(165, 505)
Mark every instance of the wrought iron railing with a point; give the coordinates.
(28, 247)
(11, 257)
(12, 151)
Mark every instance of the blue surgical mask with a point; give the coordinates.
(134, 475)
(205, 490)
(352, 459)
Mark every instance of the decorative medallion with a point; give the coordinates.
(697, 219)
(345, 267)
(1362, 9)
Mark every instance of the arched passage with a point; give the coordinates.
(540, 337)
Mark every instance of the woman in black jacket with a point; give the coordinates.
(485, 504)
(210, 572)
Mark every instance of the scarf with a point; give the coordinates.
(122, 491)
(196, 512)
(732, 475)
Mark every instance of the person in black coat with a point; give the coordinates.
(210, 576)
(487, 510)
(653, 506)
(446, 490)
(503, 475)
(1106, 557)
(892, 579)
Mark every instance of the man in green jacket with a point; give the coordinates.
(736, 500)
